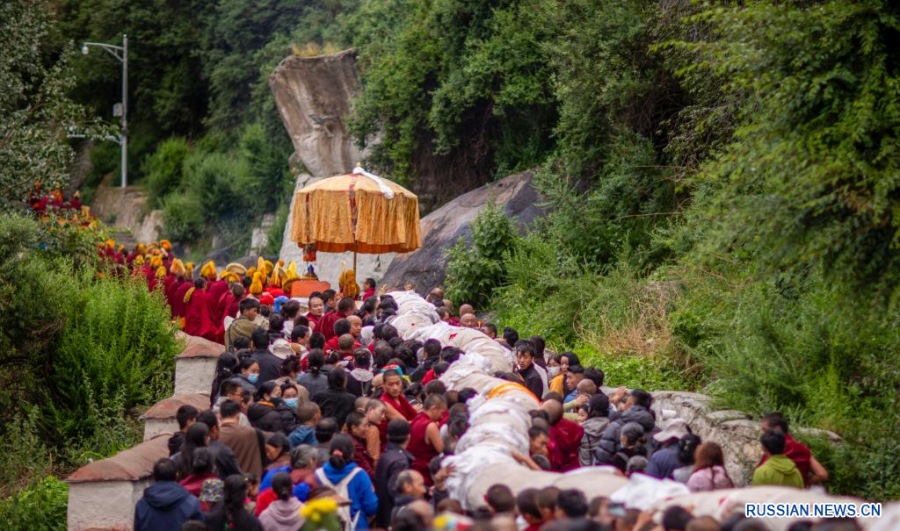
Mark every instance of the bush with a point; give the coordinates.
(164, 168)
(475, 270)
(183, 217)
(38, 508)
(117, 351)
(212, 178)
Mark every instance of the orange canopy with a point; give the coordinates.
(356, 212)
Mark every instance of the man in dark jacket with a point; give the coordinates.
(269, 364)
(186, 415)
(166, 504)
(525, 360)
(335, 401)
(637, 409)
(394, 460)
(665, 460)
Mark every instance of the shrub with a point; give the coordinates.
(117, 351)
(38, 508)
(211, 177)
(183, 217)
(475, 270)
(164, 168)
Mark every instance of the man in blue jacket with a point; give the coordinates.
(166, 505)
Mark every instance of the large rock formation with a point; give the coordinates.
(441, 229)
(313, 95)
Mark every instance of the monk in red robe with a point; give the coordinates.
(196, 314)
(565, 438)
(345, 309)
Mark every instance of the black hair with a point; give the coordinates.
(290, 365)
(234, 492)
(773, 442)
(203, 461)
(328, 294)
(675, 517)
(354, 419)
(526, 502)
(264, 389)
(539, 345)
(229, 409)
(248, 304)
(398, 431)
(280, 441)
(535, 431)
(209, 418)
(510, 335)
(193, 439)
(226, 366)
(325, 429)
(316, 359)
(337, 378)
(362, 359)
(595, 375)
(490, 326)
(298, 332)
(500, 498)
(240, 343)
(687, 446)
(282, 486)
(457, 426)
(450, 354)
(371, 282)
(370, 304)
(573, 503)
(317, 341)
(414, 390)
(341, 327)
(164, 470)
(389, 332)
(523, 345)
(341, 451)
(641, 398)
(276, 324)
(777, 420)
(246, 363)
(260, 338)
(290, 309)
(185, 414)
(466, 394)
(432, 348)
(346, 305)
(435, 387)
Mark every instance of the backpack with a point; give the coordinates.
(341, 489)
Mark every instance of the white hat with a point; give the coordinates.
(675, 429)
(281, 349)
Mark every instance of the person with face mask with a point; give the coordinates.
(558, 379)
(248, 374)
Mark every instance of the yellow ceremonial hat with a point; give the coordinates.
(236, 269)
(256, 287)
(178, 267)
(160, 271)
(165, 244)
(208, 271)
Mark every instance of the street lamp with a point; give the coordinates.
(120, 53)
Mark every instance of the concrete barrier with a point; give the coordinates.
(103, 494)
(195, 367)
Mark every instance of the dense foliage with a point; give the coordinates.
(81, 352)
(723, 197)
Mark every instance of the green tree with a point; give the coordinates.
(810, 178)
(35, 110)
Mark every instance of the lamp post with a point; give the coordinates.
(120, 53)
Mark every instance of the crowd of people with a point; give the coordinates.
(332, 404)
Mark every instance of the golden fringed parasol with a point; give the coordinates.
(357, 212)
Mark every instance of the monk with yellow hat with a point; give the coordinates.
(215, 288)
